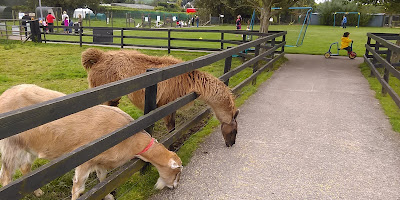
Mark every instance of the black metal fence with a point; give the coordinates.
(23, 119)
(379, 55)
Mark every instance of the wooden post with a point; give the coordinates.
(227, 68)
(122, 38)
(80, 36)
(272, 46)
(169, 41)
(150, 100)
(255, 66)
(386, 71)
(374, 61)
(150, 104)
(222, 42)
(5, 24)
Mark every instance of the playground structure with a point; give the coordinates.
(300, 17)
(346, 13)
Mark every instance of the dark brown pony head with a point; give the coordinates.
(113, 102)
(229, 131)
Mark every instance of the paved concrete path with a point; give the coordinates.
(313, 131)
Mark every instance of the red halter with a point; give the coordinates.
(148, 146)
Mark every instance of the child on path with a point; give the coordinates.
(345, 44)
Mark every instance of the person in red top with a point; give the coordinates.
(50, 21)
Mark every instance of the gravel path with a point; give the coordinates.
(313, 131)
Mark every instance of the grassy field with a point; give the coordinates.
(316, 41)
(58, 67)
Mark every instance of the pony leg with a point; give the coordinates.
(5, 174)
(170, 121)
(81, 175)
(25, 169)
(101, 175)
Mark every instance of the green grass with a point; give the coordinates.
(389, 106)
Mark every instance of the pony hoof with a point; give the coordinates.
(109, 197)
(38, 192)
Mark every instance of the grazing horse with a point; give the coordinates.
(105, 67)
(51, 140)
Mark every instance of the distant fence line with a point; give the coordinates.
(23, 119)
(104, 36)
(375, 59)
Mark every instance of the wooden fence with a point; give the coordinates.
(23, 119)
(107, 33)
(381, 53)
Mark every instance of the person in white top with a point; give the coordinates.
(64, 15)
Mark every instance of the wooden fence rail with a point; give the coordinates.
(376, 60)
(23, 119)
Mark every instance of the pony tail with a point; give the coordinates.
(90, 57)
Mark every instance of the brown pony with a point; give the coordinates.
(51, 140)
(110, 66)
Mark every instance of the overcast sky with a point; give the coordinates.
(319, 1)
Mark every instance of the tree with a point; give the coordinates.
(67, 4)
(391, 7)
(235, 7)
(264, 7)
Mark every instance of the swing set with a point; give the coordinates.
(306, 22)
(346, 13)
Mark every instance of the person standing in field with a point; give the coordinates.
(50, 22)
(25, 18)
(344, 21)
(80, 20)
(64, 15)
(239, 22)
(66, 24)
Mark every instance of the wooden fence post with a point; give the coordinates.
(169, 41)
(222, 42)
(272, 46)
(386, 71)
(374, 61)
(150, 100)
(80, 36)
(5, 25)
(227, 68)
(255, 66)
(122, 38)
(150, 104)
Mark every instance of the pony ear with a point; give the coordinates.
(236, 114)
(173, 164)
